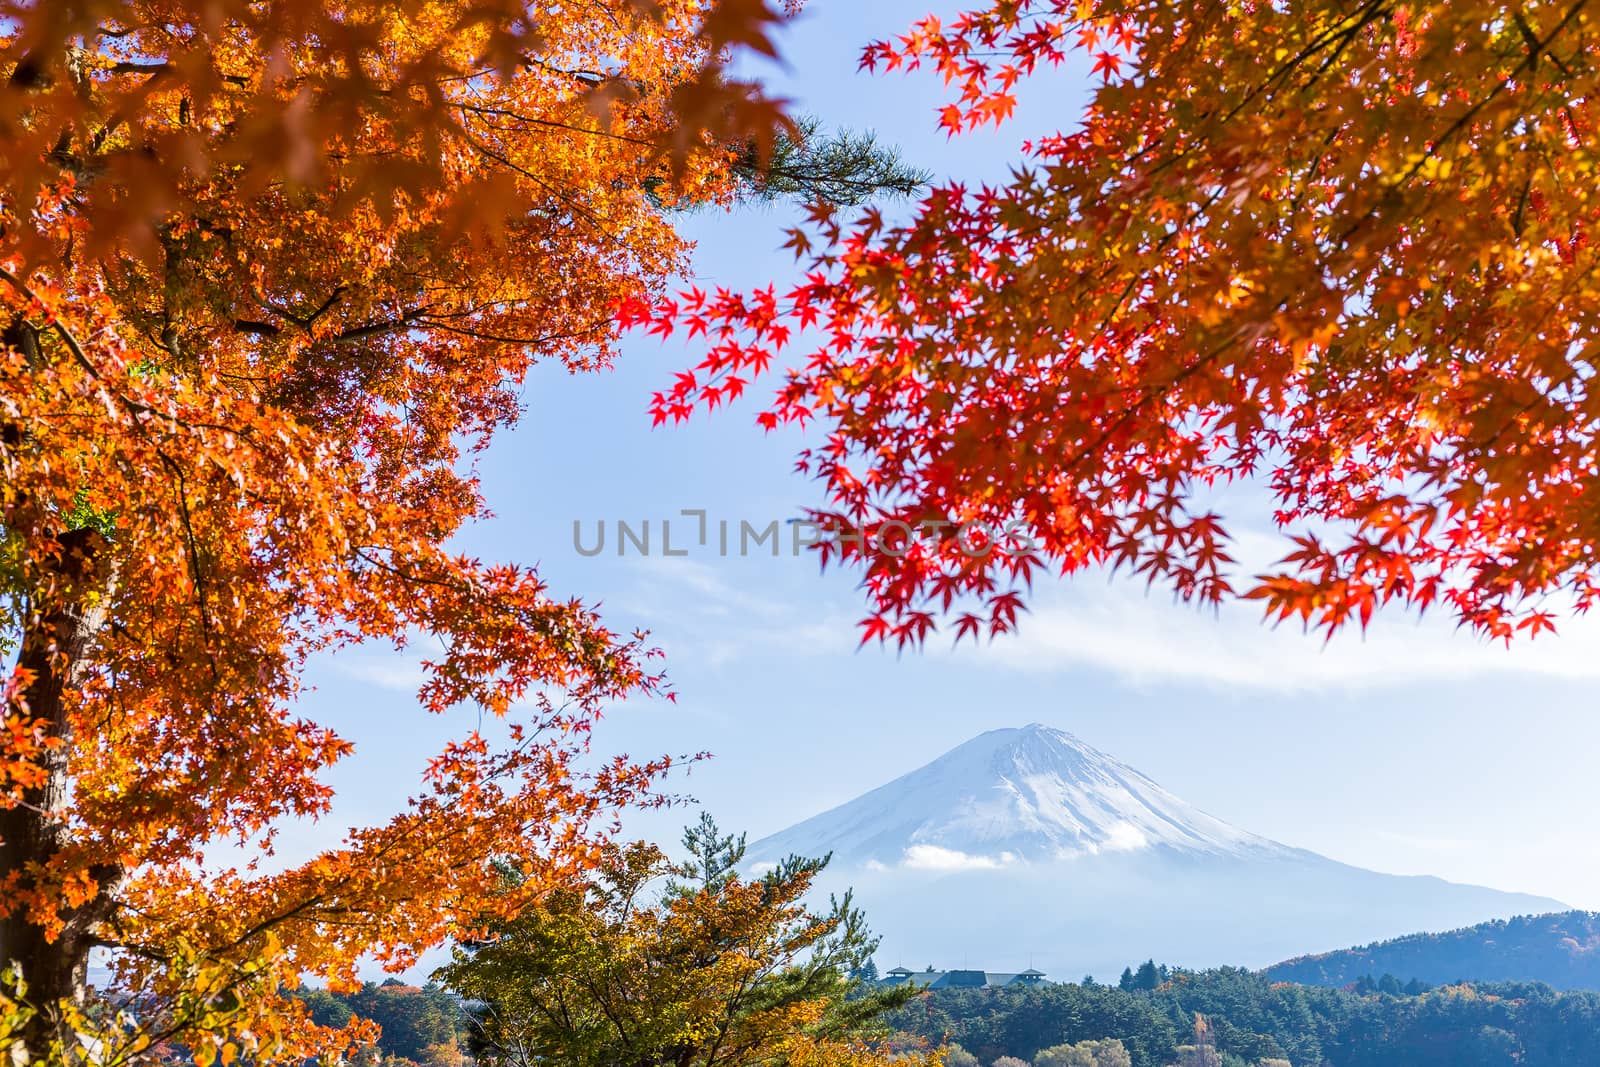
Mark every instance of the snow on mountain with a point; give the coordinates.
(1027, 846)
(1007, 796)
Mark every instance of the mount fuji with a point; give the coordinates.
(1027, 847)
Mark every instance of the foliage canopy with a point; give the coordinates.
(270, 274)
(654, 963)
(1340, 247)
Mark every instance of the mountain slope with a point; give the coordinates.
(1033, 793)
(1561, 950)
(1027, 846)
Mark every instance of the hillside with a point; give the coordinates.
(1253, 1020)
(1561, 950)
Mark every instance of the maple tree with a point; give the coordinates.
(653, 963)
(1339, 248)
(271, 273)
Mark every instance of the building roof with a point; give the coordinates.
(960, 979)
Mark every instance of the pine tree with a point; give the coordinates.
(713, 857)
(654, 962)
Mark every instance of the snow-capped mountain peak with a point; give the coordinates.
(1028, 844)
(1011, 796)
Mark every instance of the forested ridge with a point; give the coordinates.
(1253, 1018)
(1562, 950)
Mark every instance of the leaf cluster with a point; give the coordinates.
(1341, 250)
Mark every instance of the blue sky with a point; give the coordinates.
(1414, 749)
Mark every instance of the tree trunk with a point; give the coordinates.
(57, 653)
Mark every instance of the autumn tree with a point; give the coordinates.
(272, 272)
(1338, 249)
(1202, 1052)
(652, 963)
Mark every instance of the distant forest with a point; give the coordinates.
(1455, 999)
(422, 1025)
(1254, 1019)
(1561, 950)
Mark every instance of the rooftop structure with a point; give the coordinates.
(960, 979)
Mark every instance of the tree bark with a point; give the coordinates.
(58, 654)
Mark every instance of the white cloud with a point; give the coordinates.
(1125, 837)
(695, 605)
(720, 615)
(934, 858)
(664, 583)
(1122, 629)
(400, 671)
(1424, 843)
